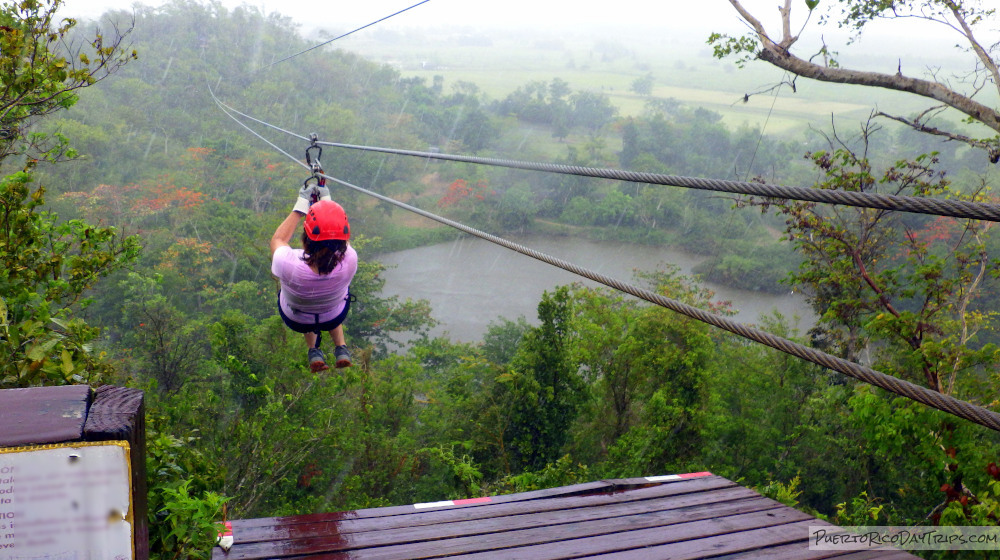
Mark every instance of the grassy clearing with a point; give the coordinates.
(683, 70)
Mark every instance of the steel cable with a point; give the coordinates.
(340, 36)
(912, 204)
(895, 385)
(934, 399)
(933, 206)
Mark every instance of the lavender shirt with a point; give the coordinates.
(304, 294)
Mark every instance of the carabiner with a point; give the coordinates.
(314, 165)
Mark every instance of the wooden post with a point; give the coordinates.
(57, 417)
(118, 413)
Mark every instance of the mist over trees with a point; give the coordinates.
(148, 253)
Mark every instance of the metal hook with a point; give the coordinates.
(314, 165)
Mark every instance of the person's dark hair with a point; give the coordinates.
(324, 255)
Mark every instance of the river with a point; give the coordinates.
(471, 282)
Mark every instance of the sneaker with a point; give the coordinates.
(343, 356)
(317, 360)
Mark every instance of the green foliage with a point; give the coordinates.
(191, 522)
(543, 386)
(860, 510)
(386, 458)
(735, 268)
(787, 494)
(980, 508)
(591, 110)
(859, 13)
(40, 74)
(562, 472)
(744, 48)
(904, 288)
(645, 367)
(167, 346)
(47, 266)
(933, 455)
(182, 511)
(692, 141)
(750, 266)
(516, 210)
(466, 474)
(502, 339)
(577, 211)
(463, 406)
(614, 209)
(540, 103)
(764, 404)
(643, 85)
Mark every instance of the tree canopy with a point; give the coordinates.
(47, 266)
(43, 65)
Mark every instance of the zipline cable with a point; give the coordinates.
(917, 205)
(932, 206)
(341, 36)
(892, 384)
(934, 399)
(223, 106)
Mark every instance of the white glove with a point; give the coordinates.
(308, 195)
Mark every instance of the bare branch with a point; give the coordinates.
(786, 24)
(753, 22)
(991, 148)
(984, 57)
(924, 88)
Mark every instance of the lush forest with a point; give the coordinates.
(134, 220)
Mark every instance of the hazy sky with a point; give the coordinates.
(702, 14)
(690, 19)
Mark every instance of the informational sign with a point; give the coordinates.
(66, 502)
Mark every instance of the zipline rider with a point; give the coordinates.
(316, 279)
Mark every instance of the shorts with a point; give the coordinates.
(316, 327)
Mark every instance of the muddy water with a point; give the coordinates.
(471, 282)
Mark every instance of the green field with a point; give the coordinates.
(683, 71)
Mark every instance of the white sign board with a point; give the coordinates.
(66, 502)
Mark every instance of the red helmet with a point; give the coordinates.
(327, 220)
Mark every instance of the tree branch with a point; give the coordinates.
(753, 22)
(781, 58)
(778, 55)
(992, 149)
(984, 56)
(786, 24)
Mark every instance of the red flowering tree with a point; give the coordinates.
(460, 191)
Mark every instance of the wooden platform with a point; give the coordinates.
(697, 515)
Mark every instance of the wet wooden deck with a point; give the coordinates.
(697, 515)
